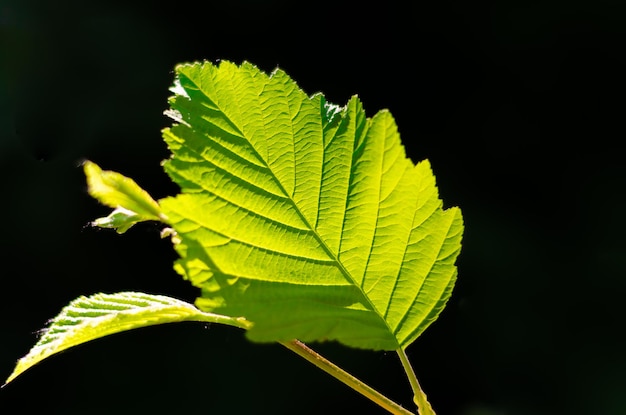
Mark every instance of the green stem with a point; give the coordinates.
(326, 365)
(419, 397)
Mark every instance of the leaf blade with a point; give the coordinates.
(99, 315)
(281, 192)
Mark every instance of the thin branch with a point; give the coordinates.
(329, 367)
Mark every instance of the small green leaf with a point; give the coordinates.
(89, 318)
(120, 219)
(132, 204)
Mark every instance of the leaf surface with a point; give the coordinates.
(89, 318)
(304, 217)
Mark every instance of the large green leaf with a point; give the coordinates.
(304, 217)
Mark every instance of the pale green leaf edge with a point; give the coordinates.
(99, 315)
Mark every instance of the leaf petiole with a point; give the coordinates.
(419, 397)
(326, 365)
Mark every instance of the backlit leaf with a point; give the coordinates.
(89, 318)
(304, 217)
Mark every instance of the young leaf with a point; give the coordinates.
(132, 204)
(306, 218)
(89, 318)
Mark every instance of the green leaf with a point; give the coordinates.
(132, 204)
(304, 217)
(89, 318)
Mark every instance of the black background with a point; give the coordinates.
(518, 105)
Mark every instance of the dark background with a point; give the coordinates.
(518, 105)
